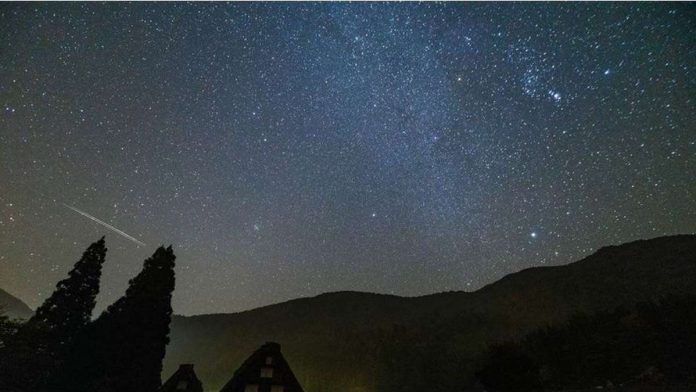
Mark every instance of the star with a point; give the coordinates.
(471, 133)
(555, 95)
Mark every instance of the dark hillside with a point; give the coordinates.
(351, 341)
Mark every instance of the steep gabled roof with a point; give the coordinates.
(267, 369)
(183, 380)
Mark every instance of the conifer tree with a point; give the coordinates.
(39, 346)
(8, 328)
(123, 349)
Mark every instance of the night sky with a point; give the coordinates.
(287, 150)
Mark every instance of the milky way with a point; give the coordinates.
(287, 150)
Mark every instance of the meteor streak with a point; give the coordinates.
(108, 226)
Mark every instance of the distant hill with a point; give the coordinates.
(13, 307)
(352, 341)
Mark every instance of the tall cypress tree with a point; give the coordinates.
(123, 349)
(39, 346)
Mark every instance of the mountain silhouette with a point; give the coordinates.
(13, 307)
(353, 341)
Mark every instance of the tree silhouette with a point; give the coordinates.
(123, 349)
(39, 345)
(8, 328)
(651, 343)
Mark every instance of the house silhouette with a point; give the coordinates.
(183, 380)
(266, 370)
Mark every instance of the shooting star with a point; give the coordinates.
(108, 226)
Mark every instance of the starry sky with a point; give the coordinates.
(291, 149)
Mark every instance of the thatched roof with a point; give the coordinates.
(266, 370)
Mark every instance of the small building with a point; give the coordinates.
(183, 380)
(266, 370)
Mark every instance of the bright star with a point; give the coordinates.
(555, 95)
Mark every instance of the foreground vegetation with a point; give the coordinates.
(650, 344)
(61, 349)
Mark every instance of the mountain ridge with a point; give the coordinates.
(14, 307)
(342, 339)
(453, 292)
